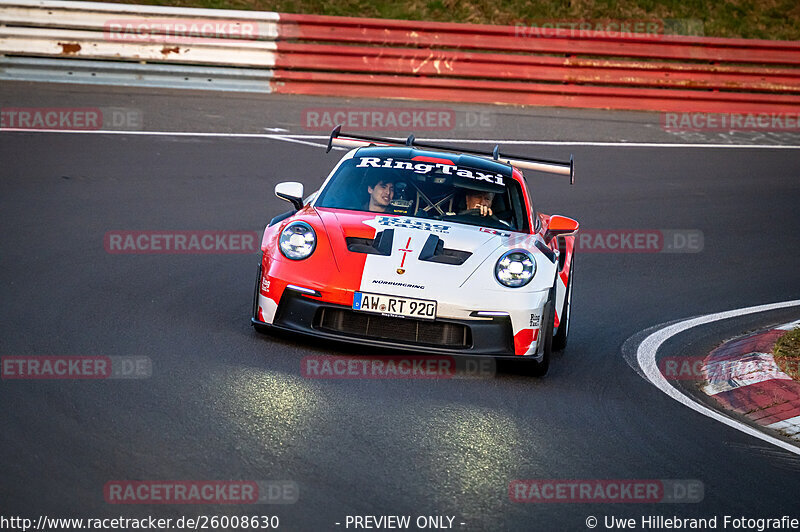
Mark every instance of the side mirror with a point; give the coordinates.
(560, 226)
(292, 192)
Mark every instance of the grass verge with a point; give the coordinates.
(787, 353)
(752, 19)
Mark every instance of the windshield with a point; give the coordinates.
(429, 188)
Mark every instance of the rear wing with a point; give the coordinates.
(519, 161)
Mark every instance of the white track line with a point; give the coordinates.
(576, 143)
(305, 142)
(646, 358)
(300, 138)
(147, 133)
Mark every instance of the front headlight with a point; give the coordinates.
(298, 241)
(515, 268)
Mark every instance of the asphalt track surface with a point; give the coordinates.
(225, 402)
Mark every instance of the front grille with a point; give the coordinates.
(410, 331)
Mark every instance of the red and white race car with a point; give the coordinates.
(421, 247)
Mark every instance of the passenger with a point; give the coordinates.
(381, 193)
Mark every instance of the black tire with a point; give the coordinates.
(259, 328)
(539, 369)
(560, 339)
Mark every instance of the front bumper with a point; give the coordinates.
(298, 313)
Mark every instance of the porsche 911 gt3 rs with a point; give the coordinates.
(421, 247)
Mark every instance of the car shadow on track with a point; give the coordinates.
(335, 359)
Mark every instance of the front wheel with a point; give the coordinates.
(560, 339)
(539, 369)
(258, 327)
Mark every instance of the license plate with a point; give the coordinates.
(405, 307)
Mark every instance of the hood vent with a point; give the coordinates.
(381, 245)
(434, 251)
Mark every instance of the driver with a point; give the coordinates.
(479, 201)
(381, 193)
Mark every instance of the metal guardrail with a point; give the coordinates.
(351, 57)
(135, 74)
(95, 15)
